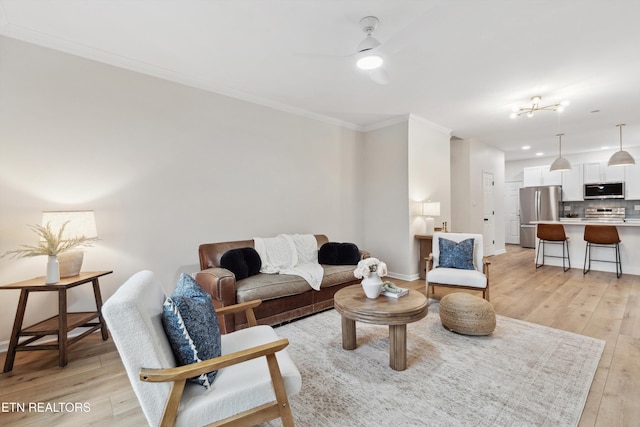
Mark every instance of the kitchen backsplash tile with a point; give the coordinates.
(577, 208)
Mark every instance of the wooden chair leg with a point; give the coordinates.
(280, 391)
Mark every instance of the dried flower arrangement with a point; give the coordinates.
(50, 244)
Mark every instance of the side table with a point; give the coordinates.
(426, 241)
(59, 325)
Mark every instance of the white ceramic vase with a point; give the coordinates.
(372, 285)
(53, 270)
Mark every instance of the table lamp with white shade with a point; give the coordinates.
(429, 210)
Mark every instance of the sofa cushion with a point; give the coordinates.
(266, 287)
(333, 253)
(191, 325)
(456, 255)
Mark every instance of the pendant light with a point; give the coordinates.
(560, 164)
(621, 158)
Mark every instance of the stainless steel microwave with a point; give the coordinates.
(606, 190)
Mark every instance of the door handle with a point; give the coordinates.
(486, 219)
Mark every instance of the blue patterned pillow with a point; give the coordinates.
(191, 324)
(456, 255)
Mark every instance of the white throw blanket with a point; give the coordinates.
(295, 254)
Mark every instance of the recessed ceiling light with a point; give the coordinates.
(526, 147)
(539, 154)
(604, 148)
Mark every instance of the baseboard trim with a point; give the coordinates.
(405, 277)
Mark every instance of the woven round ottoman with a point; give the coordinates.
(467, 314)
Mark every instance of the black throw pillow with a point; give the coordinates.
(328, 253)
(333, 253)
(234, 261)
(348, 254)
(253, 261)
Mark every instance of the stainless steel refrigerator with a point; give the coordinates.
(537, 204)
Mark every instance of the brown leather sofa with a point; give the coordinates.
(284, 297)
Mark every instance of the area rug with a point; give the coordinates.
(521, 375)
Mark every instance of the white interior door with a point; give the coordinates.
(489, 210)
(512, 212)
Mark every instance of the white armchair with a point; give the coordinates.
(255, 374)
(476, 279)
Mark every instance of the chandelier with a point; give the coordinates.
(535, 106)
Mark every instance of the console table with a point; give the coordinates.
(58, 325)
(426, 240)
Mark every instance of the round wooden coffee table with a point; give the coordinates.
(353, 305)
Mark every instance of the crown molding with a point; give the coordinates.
(105, 57)
(431, 124)
(385, 123)
(119, 61)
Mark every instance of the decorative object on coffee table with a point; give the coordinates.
(371, 271)
(467, 314)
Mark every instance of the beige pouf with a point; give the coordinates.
(467, 314)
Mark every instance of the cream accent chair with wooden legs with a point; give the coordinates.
(254, 378)
(476, 279)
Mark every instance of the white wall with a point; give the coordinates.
(460, 185)
(429, 172)
(470, 159)
(406, 163)
(165, 167)
(386, 203)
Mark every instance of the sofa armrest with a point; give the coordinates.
(220, 283)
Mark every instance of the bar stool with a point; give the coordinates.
(553, 234)
(603, 236)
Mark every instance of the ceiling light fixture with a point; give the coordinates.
(370, 62)
(367, 58)
(535, 106)
(621, 158)
(560, 164)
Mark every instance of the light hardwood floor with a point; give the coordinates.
(596, 304)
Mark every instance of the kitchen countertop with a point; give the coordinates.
(630, 222)
(629, 232)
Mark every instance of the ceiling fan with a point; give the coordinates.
(368, 55)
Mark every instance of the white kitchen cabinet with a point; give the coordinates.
(573, 184)
(550, 178)
(632, 182)
(595, 172)
(540, 175)
(532, 176)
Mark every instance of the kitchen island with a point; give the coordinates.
(628, 230)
